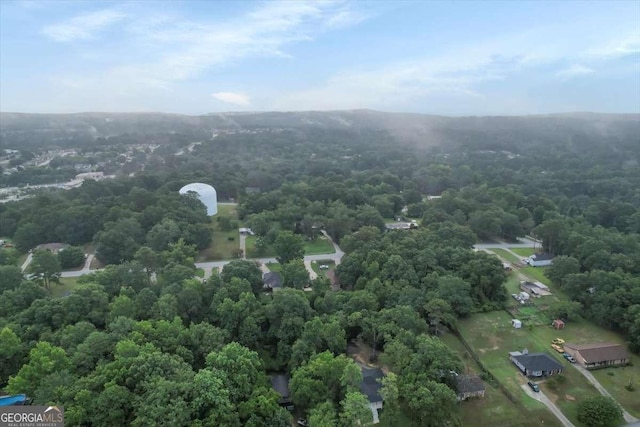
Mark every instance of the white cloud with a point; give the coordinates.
(83, 27)
(575, 71)
(234, 98)
(623, 46)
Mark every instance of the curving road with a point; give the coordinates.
(540, 397)
(593, 380)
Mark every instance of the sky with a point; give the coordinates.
(196, 57)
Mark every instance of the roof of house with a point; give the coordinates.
(469, 384)
(52, 246)
(542, 257)
(272, 279)
(370, 386)
(538, 362)
(280, 383)
(600, 352)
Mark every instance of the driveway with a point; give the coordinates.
(312, 274)
(243, 245)
(589, 376)
(208, 266)
(27, 262)
(540, 397)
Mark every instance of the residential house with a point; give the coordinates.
(52, 247)
(469, 386)
(540, 260)
(535, 364)
(402, 225)
(599, 355)
(370, 387)
(280, 383)
(272, 281)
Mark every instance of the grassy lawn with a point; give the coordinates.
(492, 337)
(523, 252)
(506, 255)
(67, 284)
(227, 210)
(250, 244)
(274, 266)
(319, 246)
(495, 409)
(584, 332)
(221, 247)
(536, 273)
(315, 266)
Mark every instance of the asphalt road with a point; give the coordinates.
(540, 397)
(335, 257)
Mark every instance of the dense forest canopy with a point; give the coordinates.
(144, 336)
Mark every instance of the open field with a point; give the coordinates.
(221, 247)
(506, 255)
(227, 210)
(584, 332)
(492, 337)
(319, 246)
(67, 284)
(523, 252)
(536, 273)
(250, 244)
(495, 409)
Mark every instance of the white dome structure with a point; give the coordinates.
(206, 193)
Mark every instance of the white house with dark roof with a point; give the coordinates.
(540, 260)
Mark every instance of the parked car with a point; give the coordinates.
(516, 297)
(303, 423)
(569, 357)
(324, 267)
(533, 386)
(558, 341)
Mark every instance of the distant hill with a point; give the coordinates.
(20, 129)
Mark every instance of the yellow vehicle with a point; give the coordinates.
(558, 341)
(557, 348)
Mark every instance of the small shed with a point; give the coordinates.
(516, 323)
(524, 296)
(558, 324)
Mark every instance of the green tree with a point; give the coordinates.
(323, 415)
(149, 259)
(599, 411)
(46, 268)
(10, 277)
(118, 241)
(71, 257)
(295, 274)
(355, 410)
(244, 269)
(562, 267)
(44, 359)
(565, 310)
(288, 247)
